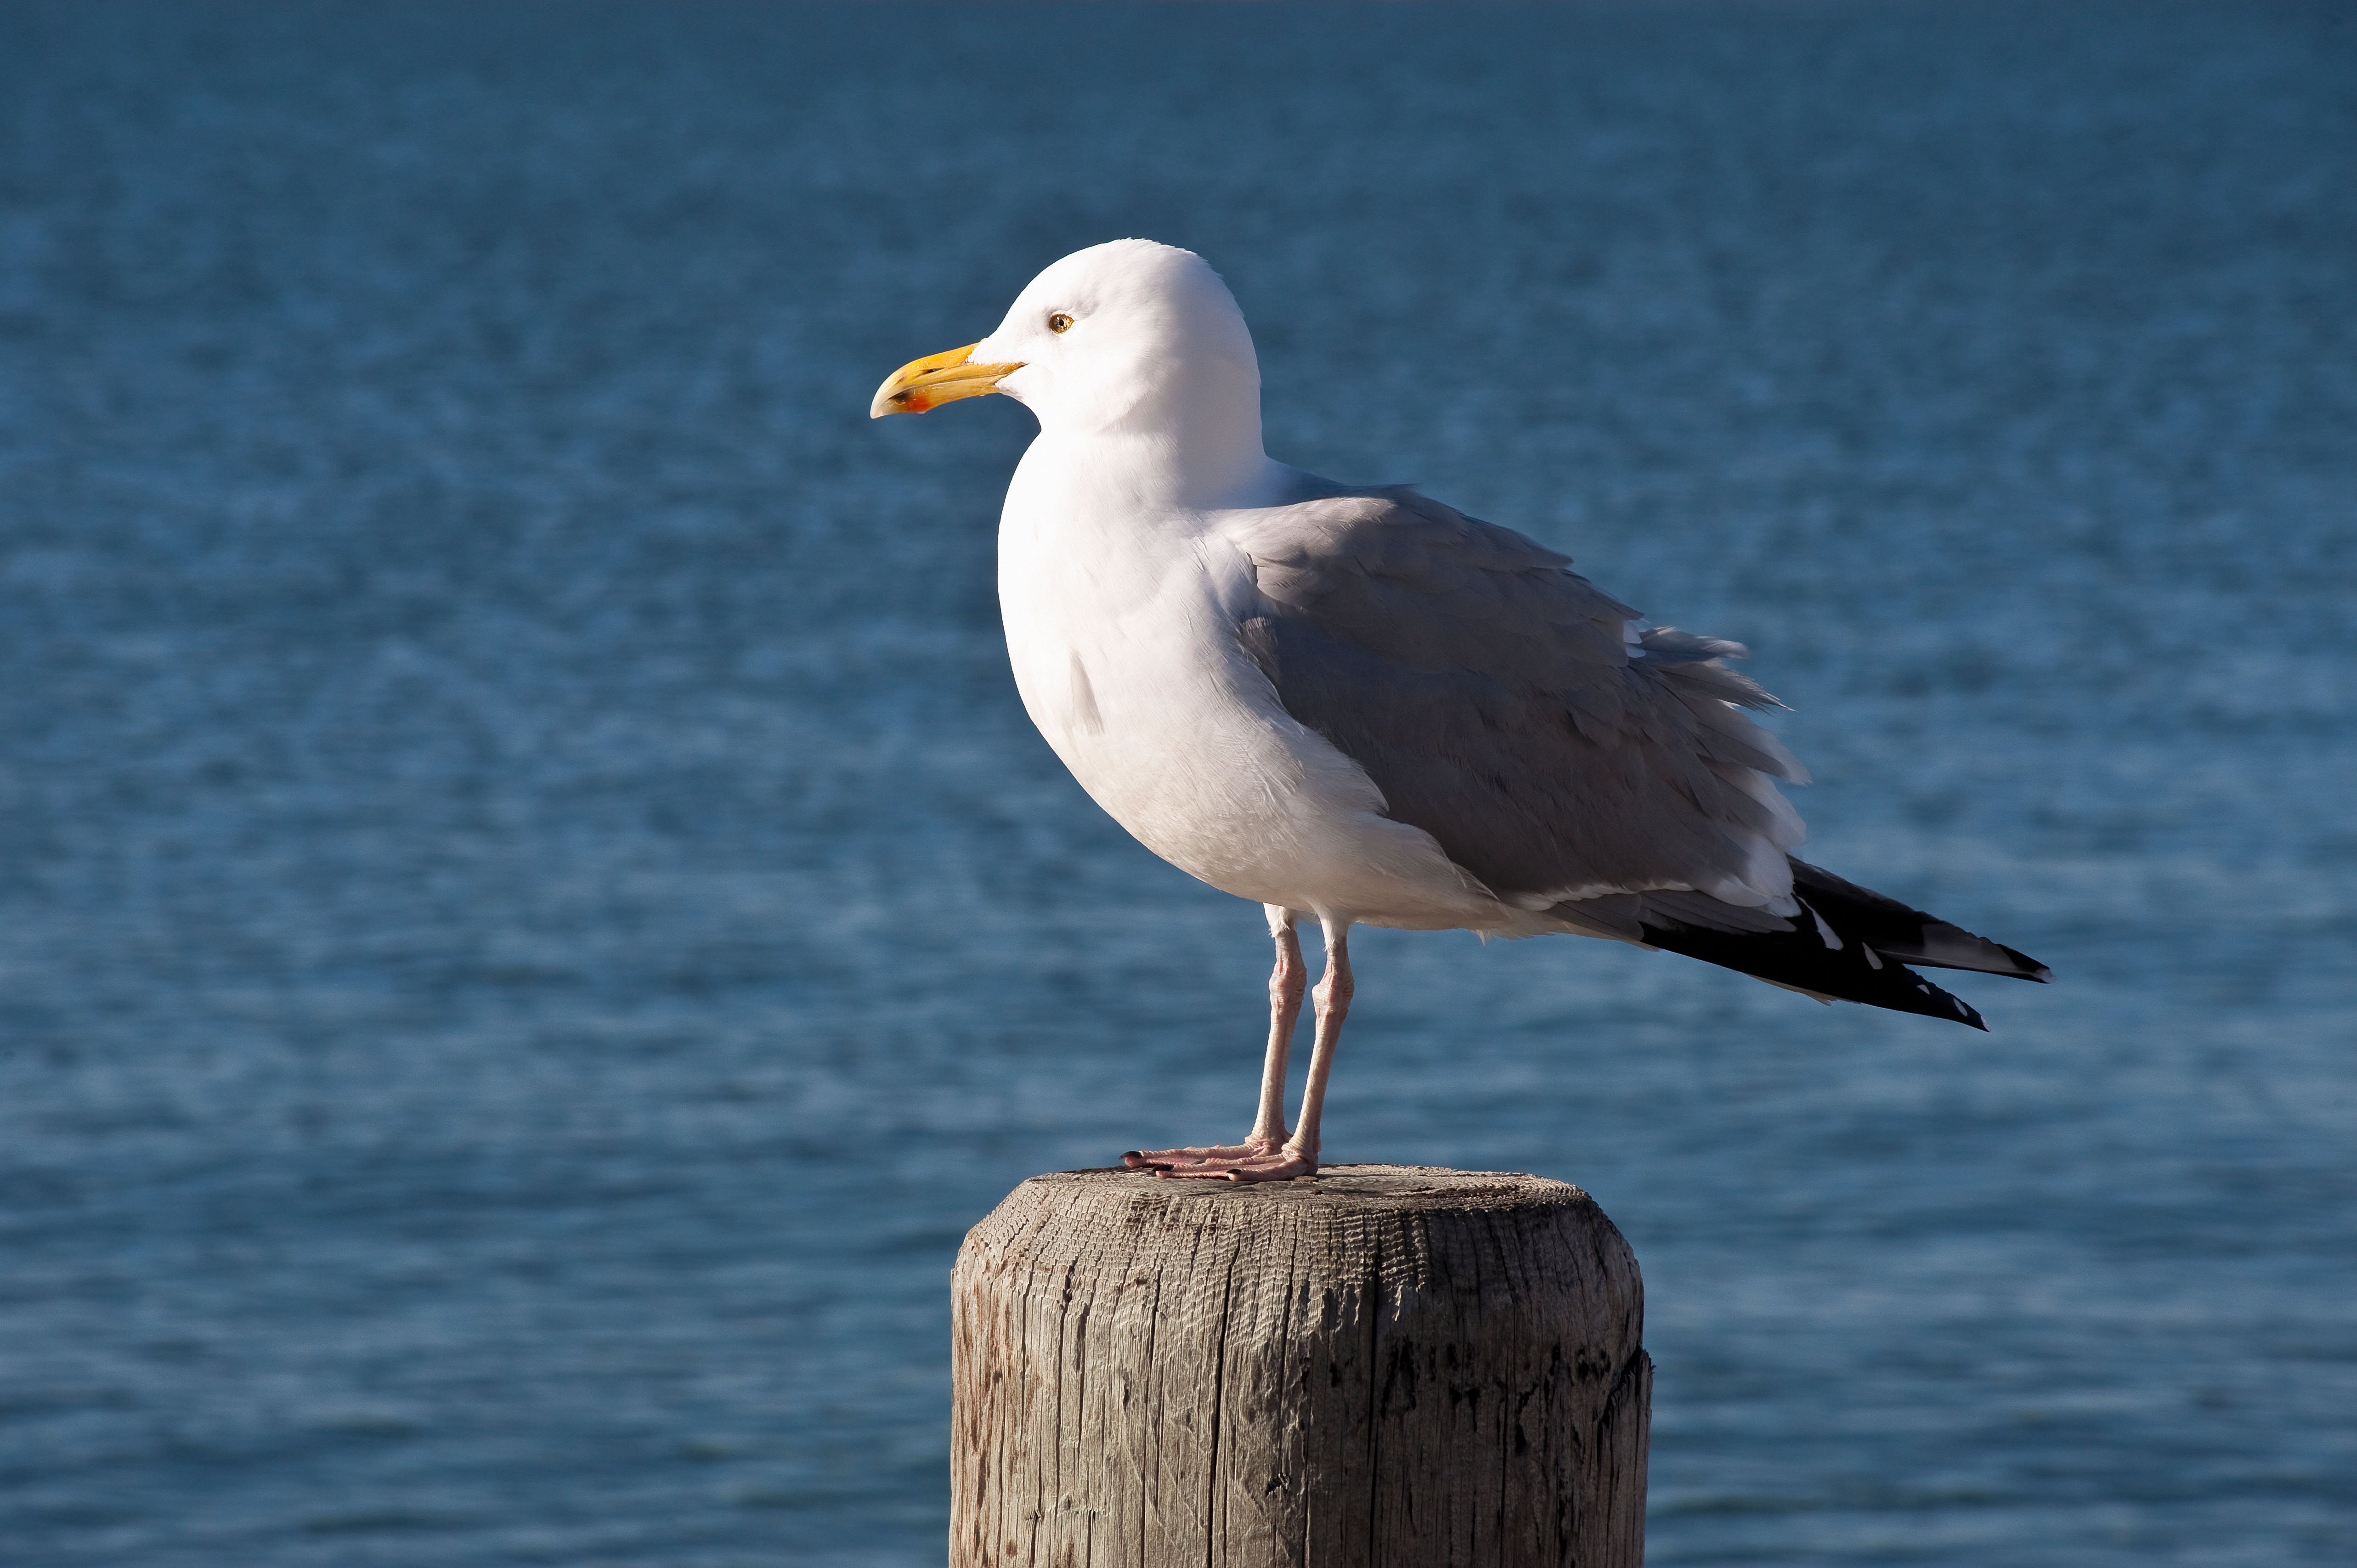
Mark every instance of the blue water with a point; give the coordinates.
(531, 920)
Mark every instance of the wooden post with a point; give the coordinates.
(1383, 1365)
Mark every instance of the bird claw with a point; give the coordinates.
(1252, 1160)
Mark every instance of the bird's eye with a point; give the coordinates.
(1060, 322)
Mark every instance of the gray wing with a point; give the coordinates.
(1497, 701)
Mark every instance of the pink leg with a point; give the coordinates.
(1298, 1157)
(1286, 985)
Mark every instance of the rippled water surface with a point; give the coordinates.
(531, 919)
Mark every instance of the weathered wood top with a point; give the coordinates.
(1387, 1188)
(1378, 1365)
(1398, 1230)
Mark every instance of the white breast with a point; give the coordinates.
(1122, 638)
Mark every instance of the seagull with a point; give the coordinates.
(1359, 706)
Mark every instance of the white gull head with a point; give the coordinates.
(1134, 349)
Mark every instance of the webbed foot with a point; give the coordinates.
(1254, 1159)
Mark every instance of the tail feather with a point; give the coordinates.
(1847, 944)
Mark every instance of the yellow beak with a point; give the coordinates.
(921, 384)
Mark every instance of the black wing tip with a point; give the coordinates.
(2031, 968)
(1905, 932)
(1802, 960)
(1935, 1003)
(2015, 965)
(1851, 944)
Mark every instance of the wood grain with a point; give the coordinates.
(1387, 1365)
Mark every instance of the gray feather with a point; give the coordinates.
(1491, 694)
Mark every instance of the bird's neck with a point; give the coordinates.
(1157, 471)
(1189, 441)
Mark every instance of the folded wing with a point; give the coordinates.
(1606, 777)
